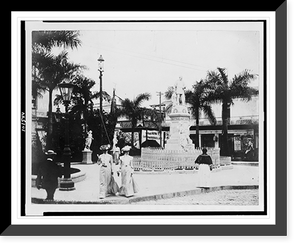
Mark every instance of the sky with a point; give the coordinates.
(150, 57)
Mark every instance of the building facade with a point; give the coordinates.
(243, 130)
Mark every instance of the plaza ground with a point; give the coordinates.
(235, 197)
(166, 186)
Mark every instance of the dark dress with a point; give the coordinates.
(47, 178)
(204, 159)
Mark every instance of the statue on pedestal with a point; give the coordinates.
(179, 136)
(88, 140)
(179, 90)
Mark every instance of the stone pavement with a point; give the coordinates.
(234, 197)
(152, 186)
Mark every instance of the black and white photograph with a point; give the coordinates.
(164, 119)
(149, 116)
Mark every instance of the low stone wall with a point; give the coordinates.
(157, 159)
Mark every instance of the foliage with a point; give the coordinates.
(224, 91)
(49, 39)
(133, 111)
(49, 70)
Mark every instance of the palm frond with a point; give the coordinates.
(49, 39)
(223, 76)
(239, 86)
(169, 92)
(208, 112)
(127, 107)
(58, 99)
(141, 98)
(105, 96)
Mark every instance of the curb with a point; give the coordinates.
(244, 163)
(124, 200)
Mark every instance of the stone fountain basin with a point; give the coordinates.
(76, 174)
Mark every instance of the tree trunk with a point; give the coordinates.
(225, 123)
(50, 122)
(132, 137)
(133, 124)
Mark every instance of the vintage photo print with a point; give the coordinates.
(147, 118)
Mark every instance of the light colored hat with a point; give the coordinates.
(50, 152)
(105, 147)
(126, 148)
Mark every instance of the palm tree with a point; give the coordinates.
(44, 64)
(133, 110)
(82, 97)
(54, 70)
(42, 43)
(225, 91)
(199, 102)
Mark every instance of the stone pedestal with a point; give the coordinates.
(87, 157)
(179, 138)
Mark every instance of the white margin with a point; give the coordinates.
(35, 16)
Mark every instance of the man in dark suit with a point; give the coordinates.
(48, 175)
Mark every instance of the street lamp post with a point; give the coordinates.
(66, 183)
(101, 70)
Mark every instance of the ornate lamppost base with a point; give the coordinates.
(66, 184)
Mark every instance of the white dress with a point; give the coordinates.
(128, 186)
(204, 175)
(105, 162)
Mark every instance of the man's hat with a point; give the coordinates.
(105, 147)
(50, 152)
(126, 148)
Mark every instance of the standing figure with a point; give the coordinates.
(107, 183)
(179, 88)
(249, 153)
(174, 98)
(204, 171)
(129, 186)
(48, 174)
(116, 166)
(88, 140)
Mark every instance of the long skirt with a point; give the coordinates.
(107, 183)
(204, 176)
(129, 185)
(105, 178)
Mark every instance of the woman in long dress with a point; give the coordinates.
(116, 165)
(107, 185)
(128, 184)
(204, 171)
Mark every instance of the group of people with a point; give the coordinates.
(108, 173)
(111, 168)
